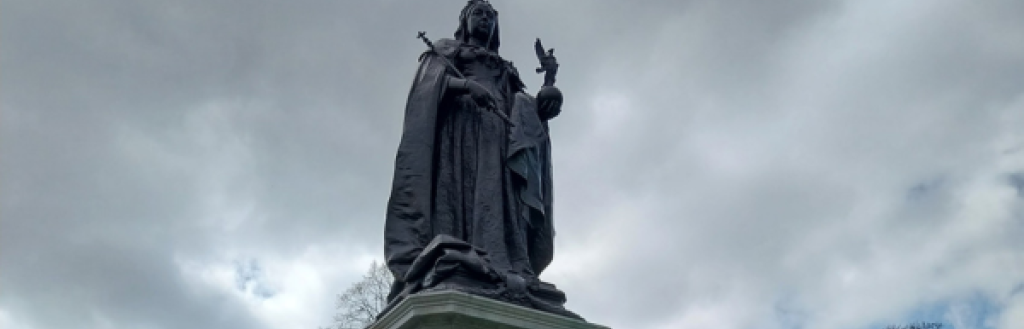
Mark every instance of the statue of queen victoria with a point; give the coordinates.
(471, 203)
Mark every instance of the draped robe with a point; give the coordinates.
(470, 206)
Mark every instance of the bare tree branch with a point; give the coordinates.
(359, 305)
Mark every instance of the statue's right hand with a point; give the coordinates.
(480, 94)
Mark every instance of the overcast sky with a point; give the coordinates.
(718, 164)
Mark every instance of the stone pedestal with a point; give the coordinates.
(457, 310)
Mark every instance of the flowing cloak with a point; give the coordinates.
(418, 243)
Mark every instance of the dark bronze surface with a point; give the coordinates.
(471, 202)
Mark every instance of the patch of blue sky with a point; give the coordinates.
(975, 311)
(249, 278)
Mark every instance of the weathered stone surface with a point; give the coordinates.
(457, 310)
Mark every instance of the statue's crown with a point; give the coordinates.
(474, 3)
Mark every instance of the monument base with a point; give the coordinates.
(458, 310)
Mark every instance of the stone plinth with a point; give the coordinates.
(457, 310)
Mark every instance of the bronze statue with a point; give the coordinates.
(470, 206)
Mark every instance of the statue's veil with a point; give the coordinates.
(462, 35)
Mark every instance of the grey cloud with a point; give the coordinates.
(764, 147)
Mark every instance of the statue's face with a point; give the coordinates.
(480, 20)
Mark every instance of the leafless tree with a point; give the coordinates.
(359, 305)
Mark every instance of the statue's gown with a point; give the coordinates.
(470, 206)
